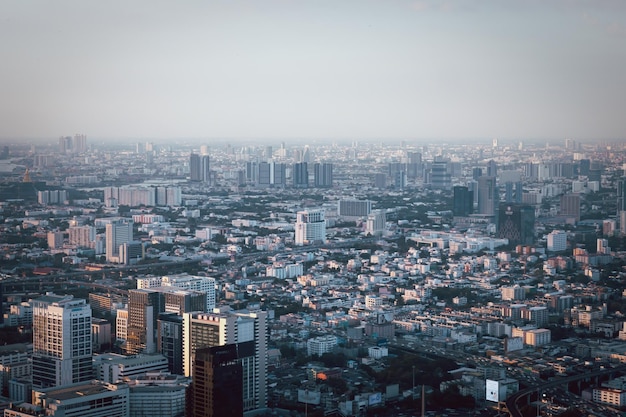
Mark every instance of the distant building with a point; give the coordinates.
(463, 201)
(557, 241)
(488, 197)
(570, 206)
(300, 175)
(354, 208)
(516, 223)
(323, 175)
(310, 227)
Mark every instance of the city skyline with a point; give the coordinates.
(413, 70)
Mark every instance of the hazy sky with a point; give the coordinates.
(362, 69)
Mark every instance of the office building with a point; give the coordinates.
(144, 307)
(376, 223)
(112, 367)
(184, 282)
(62, 347)
(310, 227)
(117, 233)
(323, 175)
(399, 180)
(158, 394)
(131, 253)
(516, 223)
(487, 196)
(170, 341)
(354, 208)
(217, 386)
(87, 399)
(232, 327)
(462, 202)
(570, 206)
(440, 177)
(300, 175)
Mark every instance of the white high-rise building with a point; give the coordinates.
(310, 227)
(62, 346)
(557, 241)
(185, 282)
(375, 224)
(117, 233)
(229, 327)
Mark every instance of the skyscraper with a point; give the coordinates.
(463, 201)
(488, 197)
(116, 234)
(217, 384)
(199, 168)
(323, 175)
(62, 346)
(300, 175)
(516, 223)
(310, 227)
(570, 206)
(440, 177)
(144, 307)
(226, 327)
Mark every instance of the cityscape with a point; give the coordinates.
(346, 279)
(328, 208)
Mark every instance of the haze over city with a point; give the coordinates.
(282, 69)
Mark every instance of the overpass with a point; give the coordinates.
(513, 402)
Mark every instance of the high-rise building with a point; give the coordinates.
(300, 175)
(323, 175)
(62, 347)
(440, 177)
(170, 341)
(144, 307)
(217, 385)
(184, 282)
(492, 168)
(516, 223)
(80, 143)
(487, 196)
(376, 223)
(310, 227)
(117, 233)
(557, 241)
(354, 208)
(463, 201)
(199, 168)
(201, 330)
(570, 206)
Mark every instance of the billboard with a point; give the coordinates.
(309, 397)
(375, 398)
(492, 391)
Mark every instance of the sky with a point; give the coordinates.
(313, 69)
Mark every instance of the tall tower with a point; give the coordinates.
(232, 327)
(62, 346)
(487, 196)
(323, 175)
(116, 234)
(310, 227)
(300, 175)
(217, 384)
(463, 201)
(199, 169)
(144, 307)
